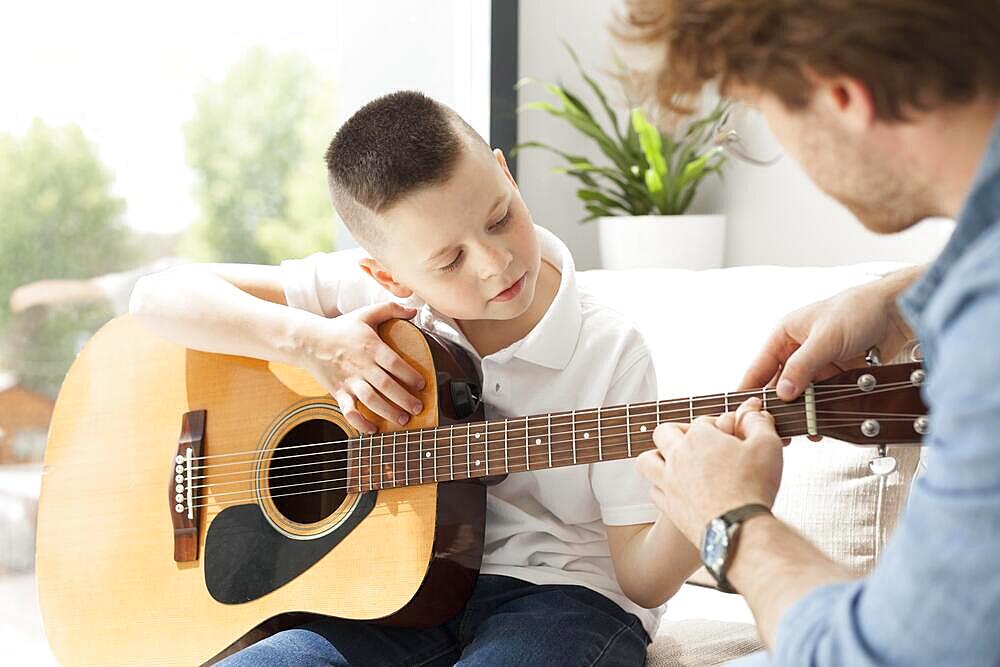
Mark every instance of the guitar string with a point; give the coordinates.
(498, 446)
(448, 443)
(449, 439)
(735, 395)
(449, 458)
(788, 407)
(351, 489)
(781, 411)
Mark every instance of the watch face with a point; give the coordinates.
(714, 545)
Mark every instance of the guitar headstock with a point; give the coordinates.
(877, 405)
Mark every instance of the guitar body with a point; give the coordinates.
(110, 589)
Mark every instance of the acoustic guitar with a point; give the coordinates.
(192, 502)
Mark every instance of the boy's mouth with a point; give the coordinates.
(512, 291)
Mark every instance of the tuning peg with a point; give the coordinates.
(873, 356)
(882, 464)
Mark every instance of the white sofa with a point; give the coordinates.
(704, 327)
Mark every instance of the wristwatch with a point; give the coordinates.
(719, 542)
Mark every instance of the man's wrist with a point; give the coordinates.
(753, 535)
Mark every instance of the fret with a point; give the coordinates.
(420, 456)
(371, 460)
(350, 469)
(581, 435)
(381, 460)
(573, 432)
(615, 437)
(506, 463)
(706, 406)
(397, 454)
(562, 439)
(658, 422)
(527, 458)
(434, 463)
(726, 399)
(391, 468)
(468, 450)
(406, 458)
(763, 395)
(451, 451)
(628, 431)
(600, 445)
(550, 439)
(691, 407)
(486, 446)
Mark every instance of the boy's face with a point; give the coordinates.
(466, 247)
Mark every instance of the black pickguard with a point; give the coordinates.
(246, 558)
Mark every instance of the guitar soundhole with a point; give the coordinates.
(308, 472)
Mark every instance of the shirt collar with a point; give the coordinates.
(980, 211)
(553, 340)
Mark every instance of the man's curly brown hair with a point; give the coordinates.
(911, 54)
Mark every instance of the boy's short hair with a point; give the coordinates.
(392, 147)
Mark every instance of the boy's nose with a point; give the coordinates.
(495, 261)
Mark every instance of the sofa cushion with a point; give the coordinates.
(702, 642)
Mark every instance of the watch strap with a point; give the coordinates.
(734, 517)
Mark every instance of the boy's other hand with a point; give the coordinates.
(346, 356)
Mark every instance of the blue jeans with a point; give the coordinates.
(506, 622)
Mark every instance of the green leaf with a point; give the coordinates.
(612, 116)
(695, 170)
(597, 211)
(586, 126)
(569, 157)
(651, 143)
(605, 200)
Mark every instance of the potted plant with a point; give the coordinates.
(640, 197)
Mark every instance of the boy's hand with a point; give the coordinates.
(346, 356)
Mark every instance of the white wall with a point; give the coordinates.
(775, 215)
(441, 48)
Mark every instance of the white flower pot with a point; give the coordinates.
(664, 241)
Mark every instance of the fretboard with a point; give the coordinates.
(537, 442)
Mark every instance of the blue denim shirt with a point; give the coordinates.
(934, 597)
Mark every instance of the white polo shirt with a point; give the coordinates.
(546, 526)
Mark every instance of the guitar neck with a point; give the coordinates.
(539, 442)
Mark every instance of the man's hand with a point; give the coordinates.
(822, 339)
(713, 465)
(346, 356)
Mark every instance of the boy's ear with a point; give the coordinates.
(381, 275)
(498, 154)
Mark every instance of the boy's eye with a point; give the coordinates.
(503, 221)
(454, 263)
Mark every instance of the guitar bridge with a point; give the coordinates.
(184, 510)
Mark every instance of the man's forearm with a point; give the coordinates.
(775, 567)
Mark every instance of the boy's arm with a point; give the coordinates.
(652, 561)
(238, 309)
(650, 556)
(227, 309)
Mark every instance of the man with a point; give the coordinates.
(892, 107)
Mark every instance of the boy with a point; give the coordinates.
(575, 558)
